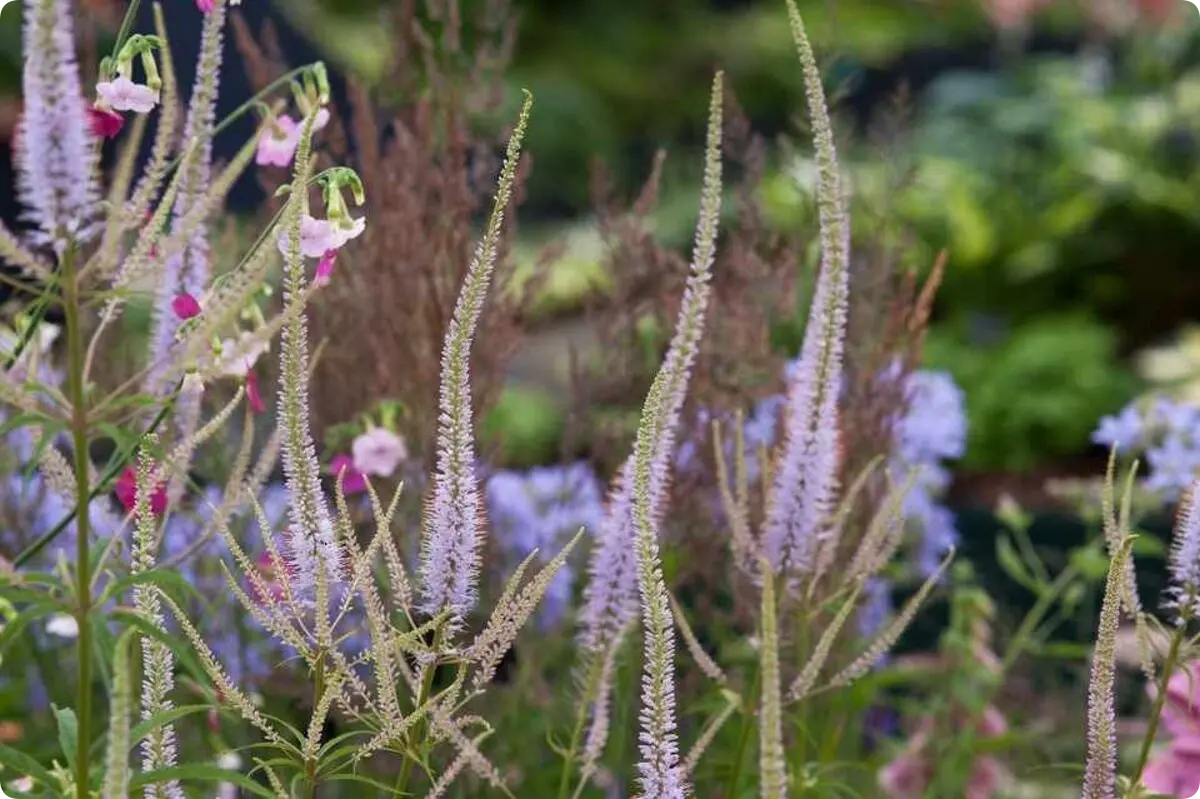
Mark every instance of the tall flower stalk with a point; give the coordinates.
(56, 176)
(806, 473)
(452, 531)
(624, 563)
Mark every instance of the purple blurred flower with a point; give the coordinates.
(1122, 430)
(541, 509)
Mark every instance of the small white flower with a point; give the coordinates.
(122, 94)
(63, 626)
(230, 761)
(378, 452)
(20, 785)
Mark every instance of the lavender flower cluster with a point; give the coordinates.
(541, 509)
(932, 430)
(1166, 432)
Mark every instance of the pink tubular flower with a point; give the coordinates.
(205, 6)
(277, 144)
(122, 94)
(126, 489)
(1175, 770)
(353, 481)
(185, 306)
(909, 775)
(325, 268)
(253, 397)
(103, 123)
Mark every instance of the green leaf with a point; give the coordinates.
(12, 629)
(199, 772)
(183, 655)
(68, 732)
(162, 578)
(1148, 545)
(161, 719)
(1013, 566)
(379, 786)
(1091, 563)
(20, 762)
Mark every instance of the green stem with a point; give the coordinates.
(595, 670)
(310, 767)
(83, 579)
(401, 788)
(1159, 702)
(743, 741)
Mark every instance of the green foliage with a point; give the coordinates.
(525, 426)
(1037, 393)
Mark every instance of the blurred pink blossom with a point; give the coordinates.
(353, 481)
(1175, 769)
(909, 775)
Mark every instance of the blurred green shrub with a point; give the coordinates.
(1036, 393)
(523, 428)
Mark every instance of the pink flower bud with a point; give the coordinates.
(185, 306)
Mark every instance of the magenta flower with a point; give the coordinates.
(253, 397)
(185, 306)
(103, 123)
(353, 481)
(122, 94)
(277, 144)
(1175, 770)
(205, 6)
(126, 489)
(325, 268)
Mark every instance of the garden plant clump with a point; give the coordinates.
(223, 573)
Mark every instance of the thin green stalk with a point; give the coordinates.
(310, 766)
(590, 688)
(743, 740)
(1159, 702)
(83, 579)
(420, 728)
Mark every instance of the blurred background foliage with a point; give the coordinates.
(1049, 147)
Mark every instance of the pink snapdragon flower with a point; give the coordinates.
(378, 452)
(122, 94)
(910, 774)
(104, 123)
(126, 489)
(277, 144)
(1175, 769)
(205, 6)
(185, 306)
(353, 480)
(319, 236)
